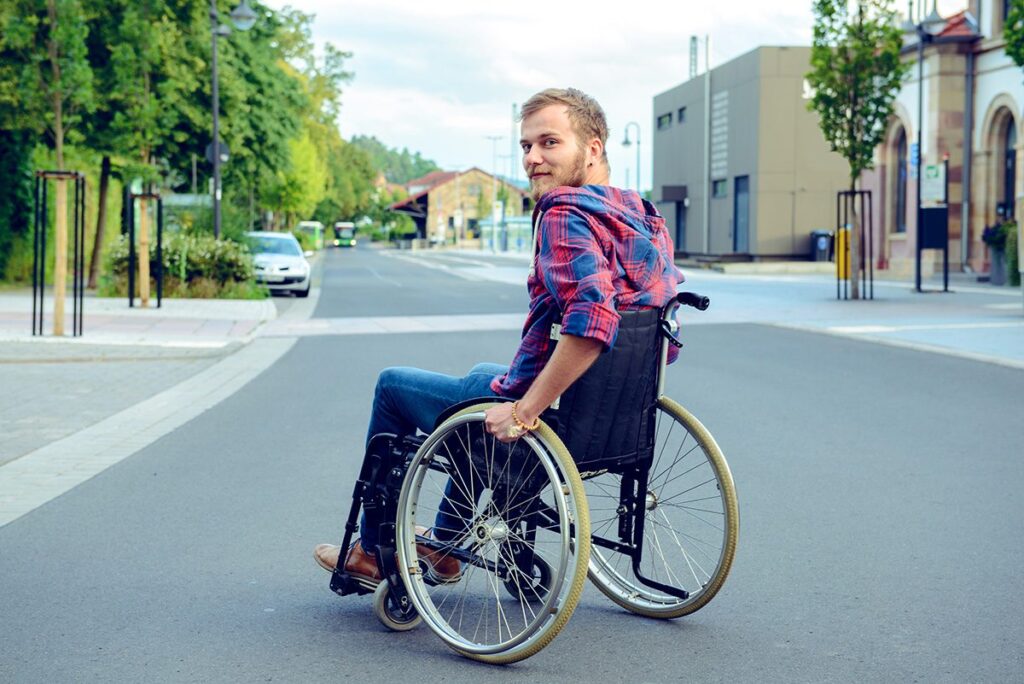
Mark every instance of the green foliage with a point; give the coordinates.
(350, 190)
(1012, 255)
(190, 257)
(45, 75)
(1013, 31)
(856, 74)
(15, 192)
(397, 167)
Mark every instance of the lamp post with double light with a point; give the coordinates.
(626, 142)
(924, 30)
(243, 17)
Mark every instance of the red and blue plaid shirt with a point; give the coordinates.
(597, 249)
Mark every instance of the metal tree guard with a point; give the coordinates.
(847, 203)
(128, 226)
(40, 225)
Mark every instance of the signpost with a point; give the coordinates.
(933, 233)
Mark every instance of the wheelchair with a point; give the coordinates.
(619, 483)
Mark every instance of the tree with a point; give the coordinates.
(1013, 31)
(397, 166)
(50, 82)
(856, 73)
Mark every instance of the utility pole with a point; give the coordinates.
(707, 144)
(494, 186)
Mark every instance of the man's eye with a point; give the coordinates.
(550, 143)
(526, 148)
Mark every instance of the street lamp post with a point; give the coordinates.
(243, 17)
(626, 142)
(923, 31)
(494, 188)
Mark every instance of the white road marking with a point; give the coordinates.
(876, 329)
(388, 325)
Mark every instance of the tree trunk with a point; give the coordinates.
(854, 243)
(101, 222)
(60, 246)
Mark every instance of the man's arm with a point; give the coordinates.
(572, 357)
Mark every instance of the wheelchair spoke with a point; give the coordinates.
(502, 512)
(697, 545)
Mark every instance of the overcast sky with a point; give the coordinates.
(439, 77)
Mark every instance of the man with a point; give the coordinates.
(597, 249)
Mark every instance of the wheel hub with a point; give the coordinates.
(492, 531)
(651, 500)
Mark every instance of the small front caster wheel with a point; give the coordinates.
(395, 617)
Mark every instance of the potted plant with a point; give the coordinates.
(995, 238)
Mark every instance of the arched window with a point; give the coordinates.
(901, 182)
(1009, 168)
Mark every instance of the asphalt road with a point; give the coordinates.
(879, 490)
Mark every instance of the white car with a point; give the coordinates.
(280, 263)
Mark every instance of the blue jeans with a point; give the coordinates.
(410, 399)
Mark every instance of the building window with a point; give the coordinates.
(718, 188)
(681, 115)
(1006, 11)
(901, 182)
(473, 189)
(664, 121)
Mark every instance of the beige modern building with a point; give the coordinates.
(971, 97)
(447, 205)
(740, 166)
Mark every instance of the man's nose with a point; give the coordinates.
(532, 157)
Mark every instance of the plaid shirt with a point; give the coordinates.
(597, 249)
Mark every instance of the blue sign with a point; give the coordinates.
(915, 156)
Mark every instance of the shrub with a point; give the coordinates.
(194, 266)
(995, 236)
(1012, 256)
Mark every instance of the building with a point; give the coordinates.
(971, 95)
(761, 172)
(447, 206)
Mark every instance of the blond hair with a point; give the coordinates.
(585, 114)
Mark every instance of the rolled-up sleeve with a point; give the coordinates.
(578, 275)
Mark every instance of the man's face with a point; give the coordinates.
(552, 152)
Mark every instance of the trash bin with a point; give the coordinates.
(821, 245)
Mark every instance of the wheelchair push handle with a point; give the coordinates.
(699, 302)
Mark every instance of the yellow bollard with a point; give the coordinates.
(842, 254)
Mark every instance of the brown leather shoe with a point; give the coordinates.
(358, 563)
(441, 568)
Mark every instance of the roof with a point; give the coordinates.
(961, 24)
(433, 178)
(436, 178)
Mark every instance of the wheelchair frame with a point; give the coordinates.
(386, 466)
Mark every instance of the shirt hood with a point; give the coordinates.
(626, 206)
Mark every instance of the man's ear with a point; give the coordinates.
(595, 152)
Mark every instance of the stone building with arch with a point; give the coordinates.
(972, 105)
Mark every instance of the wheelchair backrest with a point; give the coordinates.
(606, 418)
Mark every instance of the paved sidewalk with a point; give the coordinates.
(75, 406)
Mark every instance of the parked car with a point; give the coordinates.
(280, 263)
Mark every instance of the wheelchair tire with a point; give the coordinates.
(528, 492)
(691, 525)
(394, 619)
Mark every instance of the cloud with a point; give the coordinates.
(438, 77)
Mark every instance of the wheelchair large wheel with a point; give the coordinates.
(522, 536)
(691, 522)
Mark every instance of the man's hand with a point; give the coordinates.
(499, 422)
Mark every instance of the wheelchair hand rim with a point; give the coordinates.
(406, 541)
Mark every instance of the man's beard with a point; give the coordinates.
(574, 177)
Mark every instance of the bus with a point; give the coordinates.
(344, 234)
